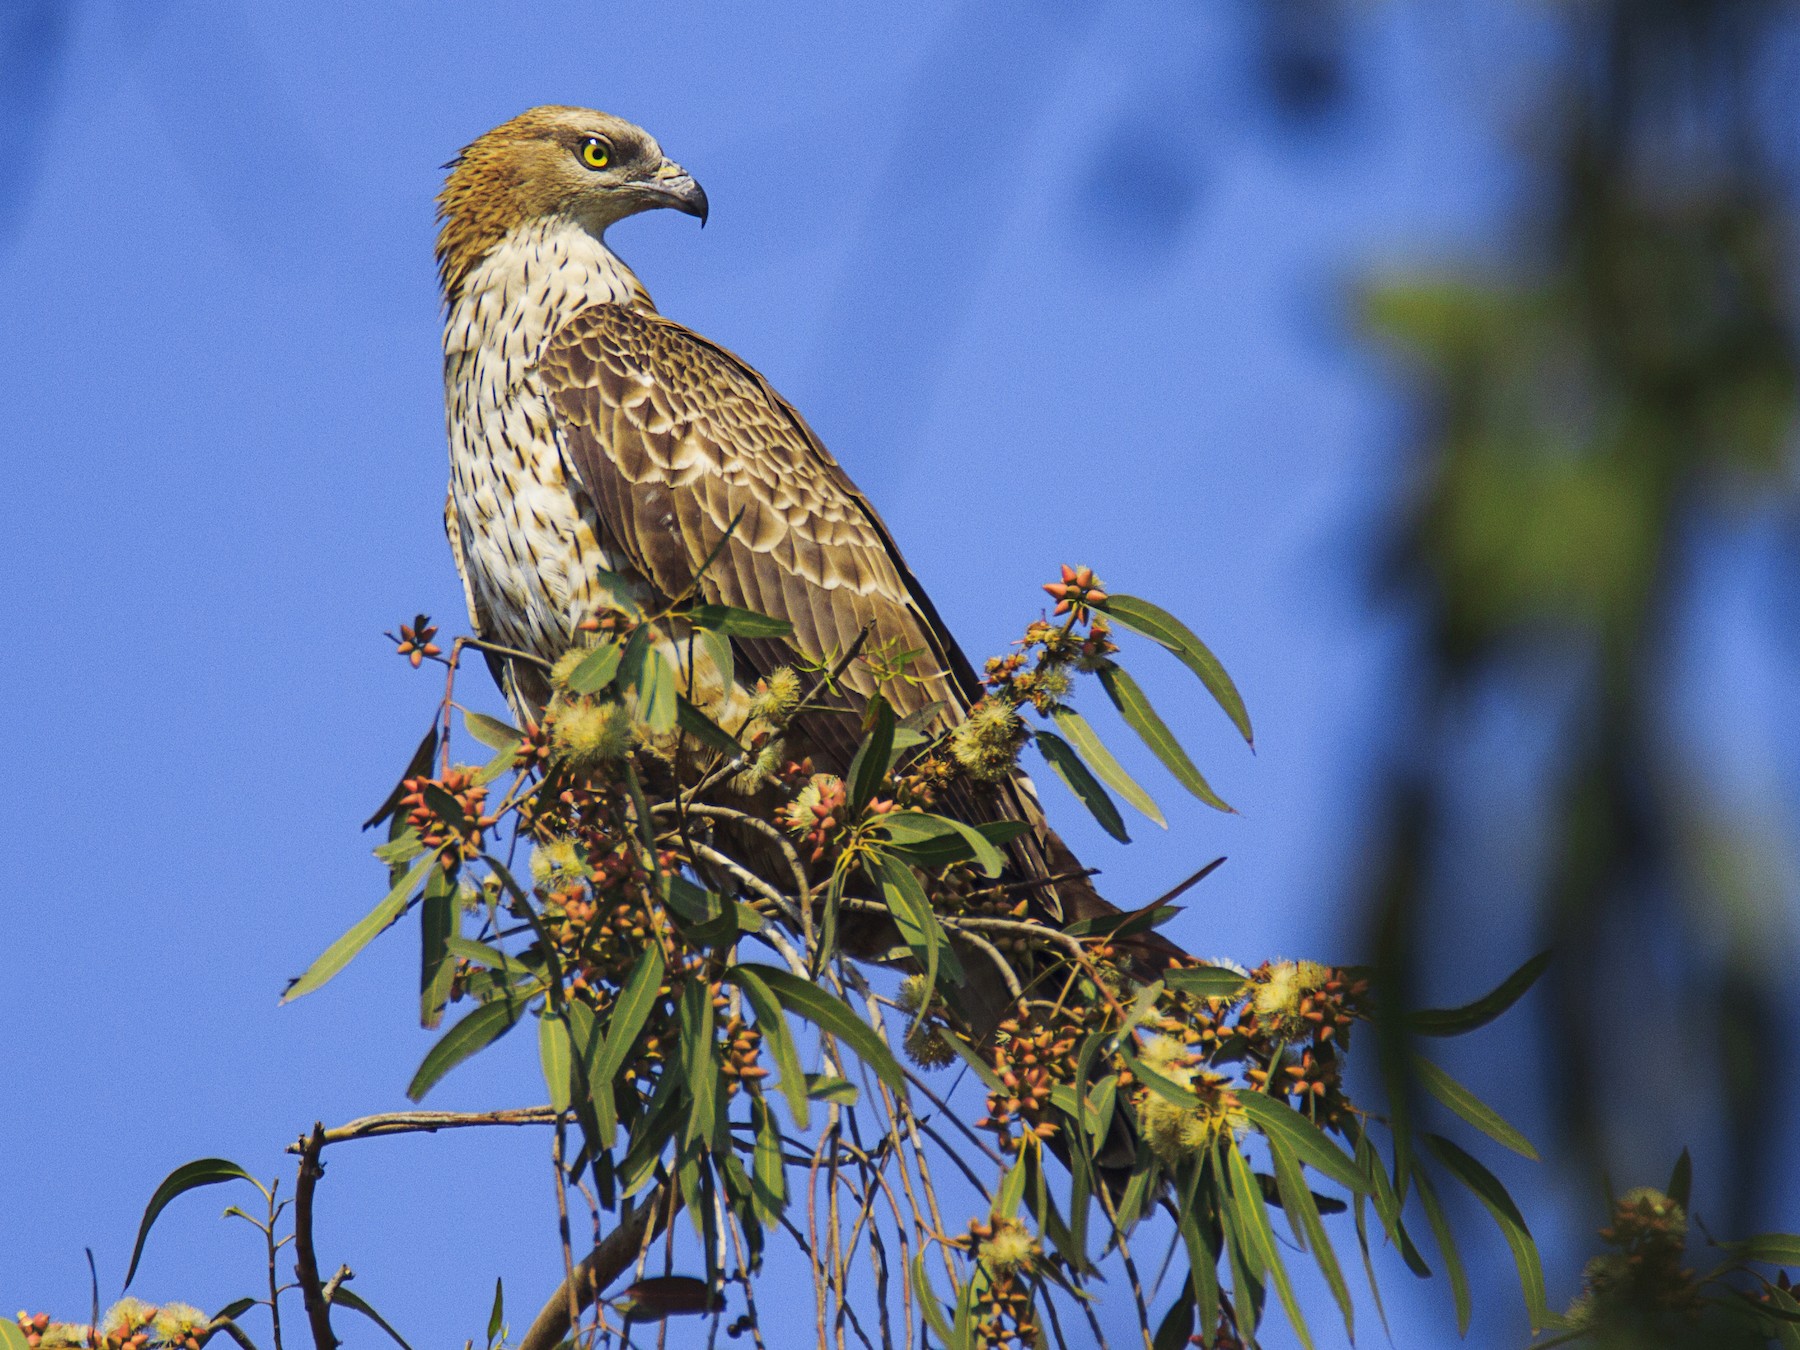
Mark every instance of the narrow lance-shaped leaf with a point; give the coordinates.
(871, 762)
(772, 1022)
(1135, 708)
(700, 1060)
(420, 763)
(474, 1033)
(187, 1177)
(1310, 1144)
(491, 731)
(1076, 776)
(1456, 1021)
(934, 1311)
(734, 622)
(1088, 745)
(1486, 1187)
(1303, 1213)
(439, 915)
(946, 840)
(1681, 1180)
(554, 1053)
(708, 732)
(629, 1013)
(356, 1303)
(1777, 1249)
(657, 694)
(1446, 1242)
(1207, 981)
(340, 953)
(1255, 1220)
(831, 1014)
(1161, 626)
(597, 669)
(1470, 1107)
(497, 1318)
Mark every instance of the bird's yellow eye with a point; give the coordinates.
(596, 153)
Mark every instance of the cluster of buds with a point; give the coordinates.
(817, 810)
(1078, 589)
(39, 1330)
(1644, 1274)
(457, 841)
(533, 751)
(1316, 1077)
(741, 1048)
(1008, 1253)
(414, 642)
(1296, 1000)
(1030, 1061)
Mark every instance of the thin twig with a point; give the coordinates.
(430, 1122)
(562, 1222)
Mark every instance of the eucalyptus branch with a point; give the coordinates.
(430, 1122)
(306, 1261)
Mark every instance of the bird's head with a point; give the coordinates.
(587, 167)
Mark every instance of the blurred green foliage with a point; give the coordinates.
(1591, 418)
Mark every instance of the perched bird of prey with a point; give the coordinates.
(587, 431)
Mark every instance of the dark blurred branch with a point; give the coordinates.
(601, 1267)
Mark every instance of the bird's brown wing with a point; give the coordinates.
(674, 437)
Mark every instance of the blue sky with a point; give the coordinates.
(1054, 281)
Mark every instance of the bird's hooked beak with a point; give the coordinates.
(673, 186)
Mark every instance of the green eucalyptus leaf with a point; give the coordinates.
(418, 765)
(708, 732)
(772, 1022)
(596, 670)
(554, 1053)
(340, 953)
(700, 1058)
(1456, 1021)
(630, 1011)
(1777, 1249)
(833, 1015)
(1088, 745)
(1207, 981)
(1486, 1187)
(1067, 765)
(1310, 1144)
(1309, 1230)
(734, 622)
(491, 731)
(1135, 708)
(824, 1087)
(346, 1298)
(1470, 1107)
(1446, 1242)
(473, 1034)
(871, 763)
(1161, 626)
(187, 1177)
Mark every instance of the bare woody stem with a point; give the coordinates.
(306, 1262)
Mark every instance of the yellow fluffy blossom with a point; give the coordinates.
(986, 744)
(558, 865)
(1011, 1247)
(587, 733)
